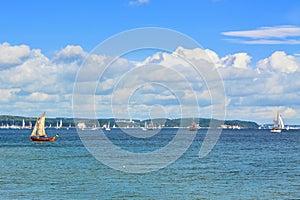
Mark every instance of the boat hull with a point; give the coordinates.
(275, 130)
(192, 129)
(42, 139)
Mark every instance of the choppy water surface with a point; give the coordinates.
(245, 164)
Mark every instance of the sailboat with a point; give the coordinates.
(193, 126)
(39, 134)
(95, 127)
(150, 126)
(69, 127)
(145, 126)
(23, 124)
(278, 124)
(108, 126)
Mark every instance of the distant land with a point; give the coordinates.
(7, 120)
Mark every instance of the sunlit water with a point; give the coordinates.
(245, 164)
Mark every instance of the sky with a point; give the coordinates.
(253, 44)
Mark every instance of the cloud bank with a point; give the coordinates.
(31, 83)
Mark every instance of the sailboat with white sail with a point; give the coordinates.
(145, 126)
(38, 133)
(278, 124)
(108, 126)
(150, 125)
(60, 124)
(23, 124)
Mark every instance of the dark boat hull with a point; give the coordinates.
(42, 139)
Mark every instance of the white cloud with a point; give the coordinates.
(7, 94)
(286, 41)
(267, 35)
(289, 112)
(12, 55)
(197, 54)
(163, 79)
(37, 78)
(279, 61)
(267, 32)
(138, 2)
(70, 54)
(33, 70)
(41, 97)
(238, 60)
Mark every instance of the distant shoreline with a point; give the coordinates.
(18, 121)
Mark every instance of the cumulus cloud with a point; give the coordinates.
(279, 61)
(70, 54)
(276, 83)
(238, 60)
(37, 78)
(246, 87)
(12, 55)
(197, 54)
(163, 79)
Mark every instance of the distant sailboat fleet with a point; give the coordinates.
(13, 126)
(277, 127)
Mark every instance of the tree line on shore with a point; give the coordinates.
(162, 122)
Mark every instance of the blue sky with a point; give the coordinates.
(51, 25)
(251, 31)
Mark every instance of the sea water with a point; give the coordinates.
(244, 164)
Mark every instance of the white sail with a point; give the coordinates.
(23, 124)
(60, 124)
(33, 133)
(41, 126)
(151, 125)
(280, 122)
(108, 126)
